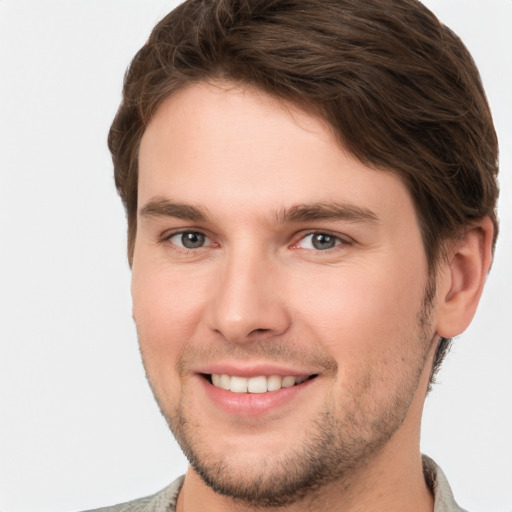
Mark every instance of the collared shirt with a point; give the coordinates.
(165, 500)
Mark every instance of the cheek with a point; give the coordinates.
(167, 307)
(362, 312)
(368, 322)
(166, 310)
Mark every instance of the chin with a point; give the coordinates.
(270, 477)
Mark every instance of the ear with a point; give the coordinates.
(463, 277)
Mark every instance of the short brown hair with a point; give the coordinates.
(398, 88)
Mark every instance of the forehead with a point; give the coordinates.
(229, 121)
(211, 142)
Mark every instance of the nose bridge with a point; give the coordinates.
(246, 304)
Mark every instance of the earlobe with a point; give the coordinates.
(462, 282)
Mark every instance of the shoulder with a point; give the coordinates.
(440, 488)
(163, 501)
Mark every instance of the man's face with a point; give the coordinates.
(268, 259)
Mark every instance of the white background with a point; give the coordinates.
(78, 425)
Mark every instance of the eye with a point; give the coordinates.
(189, 239)
(319, 241)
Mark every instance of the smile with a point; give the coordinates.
(259, 384)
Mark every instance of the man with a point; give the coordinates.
(310, 190)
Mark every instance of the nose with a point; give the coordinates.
(248, 302)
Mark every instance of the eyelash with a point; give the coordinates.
(169, 236)
(339, 240)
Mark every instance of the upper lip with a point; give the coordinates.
(253, 370)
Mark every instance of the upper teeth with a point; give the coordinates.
(259, 384)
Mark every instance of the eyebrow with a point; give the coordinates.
(326, 211)
(161, 207)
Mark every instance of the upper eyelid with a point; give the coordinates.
(169, 233)
(340, 236)
(165, 238)
(344, 239)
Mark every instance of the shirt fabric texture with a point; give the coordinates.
(165, 500)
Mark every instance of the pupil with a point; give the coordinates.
(322, 241)
(192, 240)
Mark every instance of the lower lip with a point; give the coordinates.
(253, 404)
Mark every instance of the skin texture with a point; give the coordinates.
(258, 179)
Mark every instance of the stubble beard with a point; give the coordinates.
(329, 454)
(334, 446)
